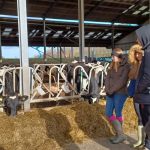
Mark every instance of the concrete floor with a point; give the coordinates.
(103, 144)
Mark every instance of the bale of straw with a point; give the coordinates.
(43, 129)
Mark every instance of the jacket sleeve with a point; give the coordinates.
(144, 80)
(122, 81)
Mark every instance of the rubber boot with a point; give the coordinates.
(140, 137)
(120, 135)
(114, 137)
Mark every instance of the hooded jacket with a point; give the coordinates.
(116, 82)
(142, 93)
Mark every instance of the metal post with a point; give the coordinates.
(81, 29)
(52, 48)
(112, 38)
(57, 52)
(64, 52)
(89, 52)
(60, 55)
(0, 45)
(23, 44)
(44, 39)
(92, 53)
(71, 52)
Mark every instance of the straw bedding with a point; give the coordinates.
(42, 129)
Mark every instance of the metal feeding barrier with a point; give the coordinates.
(49, 82)
(16, 79)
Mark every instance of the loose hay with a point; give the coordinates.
(45, 130)
(130, 117)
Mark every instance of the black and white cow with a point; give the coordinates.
(94, 89)
(11, 100)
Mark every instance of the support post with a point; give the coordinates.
(93, 53)
(89, 52)
(52, 48)
(72, 52)
(64, 52)
(81, 29)
(23, 45)
(57, 52)
(44, 39)
(60, 55)
(112, 38)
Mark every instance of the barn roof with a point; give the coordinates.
(62, 25)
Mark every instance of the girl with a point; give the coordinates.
(115, 86)
(135, 58)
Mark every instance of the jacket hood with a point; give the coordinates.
(143, 35)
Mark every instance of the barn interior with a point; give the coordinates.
(62, 31)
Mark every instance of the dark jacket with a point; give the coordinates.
(142, 93)
(116, 82)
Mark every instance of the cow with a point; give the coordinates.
(12, 100)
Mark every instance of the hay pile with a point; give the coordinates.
(130, 117)
(50, 129)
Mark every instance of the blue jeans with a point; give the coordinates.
(115, 102)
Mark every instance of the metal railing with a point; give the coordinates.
(40, 91)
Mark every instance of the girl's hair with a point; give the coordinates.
(115, 65)
(136, 48)
(118, 51)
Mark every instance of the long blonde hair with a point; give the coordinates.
(115, 65)
(136, 48)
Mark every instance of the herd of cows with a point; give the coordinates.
(52, 82)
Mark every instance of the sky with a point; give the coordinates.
(13, 52)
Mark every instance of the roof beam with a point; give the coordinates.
(2, 5)
(93, 8)
(122, 14)
(51, 5)
(119, 2)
